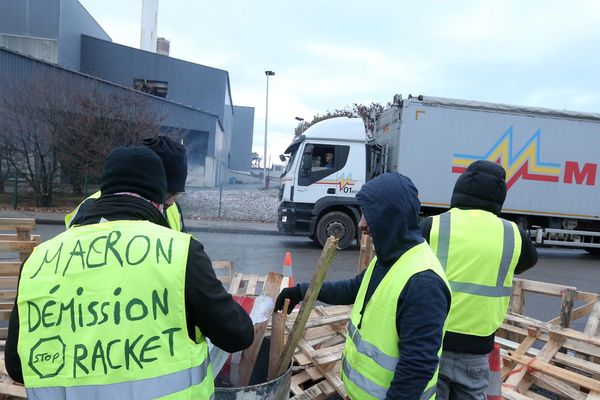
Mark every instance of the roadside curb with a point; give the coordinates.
(238, 231)
(189, 228)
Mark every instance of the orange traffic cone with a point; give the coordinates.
(287, 270)
(494, 390)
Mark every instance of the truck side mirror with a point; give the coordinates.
(306, 164)
(307, 160)
(282, 158)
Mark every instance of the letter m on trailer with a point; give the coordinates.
(579, 175)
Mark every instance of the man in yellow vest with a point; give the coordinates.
(400, 301)
(174, 159)
(109, 308)
(480, 252)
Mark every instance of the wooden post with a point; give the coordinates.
(367, 252)
(591, 326)
(309, 301)
(517, 300)
(248, 358)
(566, 307)
(277, 338)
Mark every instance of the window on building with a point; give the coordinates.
(155, 88)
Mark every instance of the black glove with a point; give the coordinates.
(293, 293)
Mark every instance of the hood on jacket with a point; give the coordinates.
(391, 208)
(481, 186)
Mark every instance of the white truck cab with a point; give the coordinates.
(325, 170)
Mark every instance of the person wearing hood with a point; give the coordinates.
(400, 301)
(174, 159)
(120, 305)
(480, 252)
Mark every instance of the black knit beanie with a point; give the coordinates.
(174, 159)
(137, 170)
(481, 186)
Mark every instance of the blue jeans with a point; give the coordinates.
(463, 376)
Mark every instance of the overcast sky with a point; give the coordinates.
(328, 54)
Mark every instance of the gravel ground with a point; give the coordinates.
(238, 205)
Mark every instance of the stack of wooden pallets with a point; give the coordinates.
(15, 239)
(549, 359)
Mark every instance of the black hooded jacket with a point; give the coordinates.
(482, 186)
(208, 305)
(391, 207)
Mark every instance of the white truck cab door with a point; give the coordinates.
(326, 170)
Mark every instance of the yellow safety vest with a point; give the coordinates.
(102, 316)
(371, 352)
(70, 216)
(479, 253)
(172, 214)
(174, 217)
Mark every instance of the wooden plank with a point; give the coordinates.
(512, 395)
(367, 252)
(235, 283)
(10, 268)
(566, 307)
(248, 358)
(277, 339)
(568, 360)
(567, 332)
(591, 326)
(517, 299)
(518, 373)
(557, 372)
(309, 300)
(550, 289)
(558, 386)
(251, 288)
(13, 237)
(12, 224)
(7, 282)
(17, 247)
(320, 391)
(546, 354)
(569, 344)
(332, 377)
(8, 295)
(576, 314)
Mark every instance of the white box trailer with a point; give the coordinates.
(550, 157)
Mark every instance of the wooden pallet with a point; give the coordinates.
(22, 243)
(569, 296)
(319, 353)
(549, 355)
(247, 284)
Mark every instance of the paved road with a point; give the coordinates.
(261, 253)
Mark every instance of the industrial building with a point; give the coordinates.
(39, 36)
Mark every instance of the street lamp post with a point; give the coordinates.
(266, 185)
(301, 121)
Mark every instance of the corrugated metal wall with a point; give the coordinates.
(37, 18)
(241, 142)
(74, 22)
(20, 69)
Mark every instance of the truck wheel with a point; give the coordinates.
(339, 224)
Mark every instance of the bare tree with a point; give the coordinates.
(100, 121)
(31, 115)
(53, 123)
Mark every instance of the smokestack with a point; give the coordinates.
(162, 46)
(149, 23)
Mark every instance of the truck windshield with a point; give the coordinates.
(293, 151)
